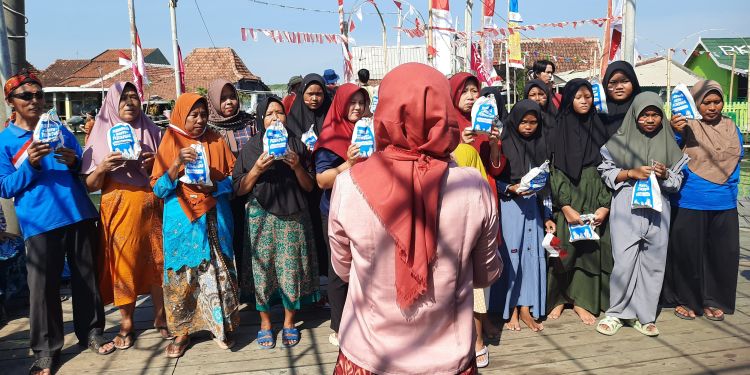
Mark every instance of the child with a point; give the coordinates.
(525, 277)
(644, 144)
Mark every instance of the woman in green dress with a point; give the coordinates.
(580, 279)
(282, 262)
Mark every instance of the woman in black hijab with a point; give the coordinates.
(621, 85)
(310, 106)
(577, 189)
(539, 92)
(282, 262)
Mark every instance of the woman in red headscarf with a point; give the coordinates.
(334, 153)
(200, 282)
(411, 271)
(464, 92)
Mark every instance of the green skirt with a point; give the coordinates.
(282, 262)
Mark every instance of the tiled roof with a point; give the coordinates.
(203, 65)
(60, 70)
(567, 53)
(108, 61)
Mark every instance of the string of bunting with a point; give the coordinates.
(554, 57)
(294, 37)
(419, 29)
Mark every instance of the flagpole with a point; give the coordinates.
(131, 13)
(398, 38)
(430, 41)
(467, 29)
(507, 59)
(175, 46)
(607, 41)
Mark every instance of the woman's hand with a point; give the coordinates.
(600, 215)
(571, 216)
(640, 173)
(352, 154)
(205, 189)
(292, 160)
(678, 122)
(494, 135)
(263, 163)
(147, 160)
(112, 161)
(550, 226)
(186, 155)
(660, 170)
(514, 189)
(66, 156)
(468, 136)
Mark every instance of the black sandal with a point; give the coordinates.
(182, 346)
(125, 337)
(41, 364)
(713, 316)
(96, 342)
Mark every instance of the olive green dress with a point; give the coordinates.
(581, 277)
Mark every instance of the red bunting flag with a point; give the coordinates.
(398, 4)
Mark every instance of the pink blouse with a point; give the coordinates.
(436, 334)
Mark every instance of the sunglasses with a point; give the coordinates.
(28, 95)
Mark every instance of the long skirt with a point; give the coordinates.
(283, 264)
(344, 366)
(203, 298)
(131, 257)
(702, 260)
(12, 268)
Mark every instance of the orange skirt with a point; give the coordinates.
(131, 259)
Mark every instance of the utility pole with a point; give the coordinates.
(15, 21)
(731, 77)
(669, 78)
(175, 46)
(628, 32)
(467, 29)
(398, 38)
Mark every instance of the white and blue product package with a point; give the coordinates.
(197, 172)
(364, 137)
(682, 103)
(374, 102)
(647, 194)
(49, 130)
(309, 138)
(600, 96)
(275, 140)
(122, 138)
(535, 179)
(483, 114)
(585, 231)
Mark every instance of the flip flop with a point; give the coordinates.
(96, 342)
(265, 336)
(41, 364)
(612, 323)
(182, 345)
(713, 317)
(683, 316)
(289, 334)
(643, 328)
(128, 343)
(484, 352)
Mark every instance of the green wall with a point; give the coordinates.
(705, 67)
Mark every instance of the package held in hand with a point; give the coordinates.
(582, 232)
(122, 138)
(374, 101)
(647, 194)
(197, 172)
(483, 114)
(49, 130)
(275, 140)
(535, 179)
(364, 137)
(600, 96)
(682, 103)
(553, 245)
(309, 138)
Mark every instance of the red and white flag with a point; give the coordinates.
(139, 66)
(181, 67)
(442, 30)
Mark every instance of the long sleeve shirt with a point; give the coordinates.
(436, 334)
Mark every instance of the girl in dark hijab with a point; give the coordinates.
(577, 188)
(539, 92)
(284, 261)
(621, 85)
(310, 106)
(524, 218)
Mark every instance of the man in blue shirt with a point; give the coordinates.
(57, 219)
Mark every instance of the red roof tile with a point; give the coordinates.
(60, 70)
(203, 65)
(567, 53)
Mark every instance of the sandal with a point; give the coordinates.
(681, 315)
(486, 353)
(289, 334)
(162, 329)
(611, 323)
(182, 346)
(41, 364)
(97, 341)
(644, 328)
(713, 311)
(266, 336)
(127, 338)
(333, 339)
(224, 345)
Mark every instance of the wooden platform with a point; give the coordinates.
(565, 346)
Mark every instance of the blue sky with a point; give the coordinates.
(84, 28)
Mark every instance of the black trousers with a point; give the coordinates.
(702, 260)
(337, 288)
(44, 263)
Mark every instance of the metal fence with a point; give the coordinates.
(737, 111)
